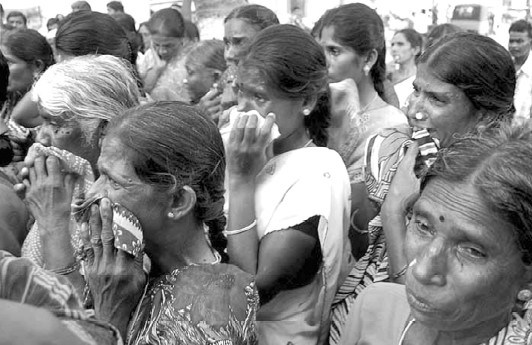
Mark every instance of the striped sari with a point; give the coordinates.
(384, 152)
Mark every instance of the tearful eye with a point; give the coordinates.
(473, 252)
(422, 226)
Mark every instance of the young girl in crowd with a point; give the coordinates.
(205, 64)
(162, 69)
(353, 39)
(28, 54)
(406, 47)
(288, 208)
(240, 26)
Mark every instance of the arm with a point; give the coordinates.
(246, 153)
(49, 196)
(403, 189)
(186, 10)
(282, 256)
(28, 325)
(116, 279)
(13, 221)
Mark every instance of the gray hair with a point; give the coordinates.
(497, 162)
(87, 89)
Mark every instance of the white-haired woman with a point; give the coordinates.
(76, 100)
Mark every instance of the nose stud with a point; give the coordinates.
(419, 116)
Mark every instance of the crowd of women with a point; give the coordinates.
(279, 187)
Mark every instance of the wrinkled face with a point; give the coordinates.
(20, 72)
(343, 61)
(466, 268)
(119, 182)
(199, 79)
(519, 44)
(402, 50)
(166, 47)
(444, 109)
(66, 135)
(146, 36)
(254, 94)
(16, 22)
(237, 35)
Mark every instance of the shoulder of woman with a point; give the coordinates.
(215, 293)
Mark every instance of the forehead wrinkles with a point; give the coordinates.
(458, 198)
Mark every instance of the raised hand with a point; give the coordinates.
(116, 279)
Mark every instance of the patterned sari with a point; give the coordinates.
(199, 304)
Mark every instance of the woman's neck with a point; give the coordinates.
(405, 71)
(184, 247)
(479, 334)
(366, 93)
(296, 140)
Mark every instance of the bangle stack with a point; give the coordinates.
(236, 232)
(67, 269)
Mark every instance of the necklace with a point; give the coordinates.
(308, 143)
(363, 110)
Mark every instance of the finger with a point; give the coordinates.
(250, 132)
(410, 156)
(108, 238)
(33, 175)
(39, 167)
(20, 189)
(266, 129)
(24, 173)
(69, 183)
(86, 249)
(237, 132)
(211, 95)
(53, 169)
(95, 223)
(214, 102)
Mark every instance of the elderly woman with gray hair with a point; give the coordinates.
(76, 99)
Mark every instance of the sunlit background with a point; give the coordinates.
(208, 14)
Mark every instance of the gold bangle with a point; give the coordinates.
(235, 232)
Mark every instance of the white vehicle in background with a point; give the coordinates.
(477, 18)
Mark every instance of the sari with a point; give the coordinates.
(24, 282)
(198, 304)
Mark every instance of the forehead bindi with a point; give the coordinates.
(462, 213)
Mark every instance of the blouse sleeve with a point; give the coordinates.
(307, 197)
